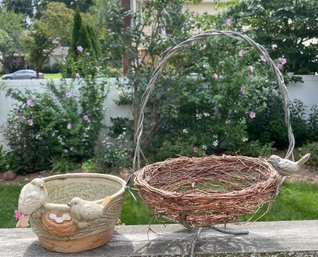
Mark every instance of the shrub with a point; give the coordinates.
(114, 152)
(313, 123)
(299, 122)
(166, 148)
(283, 26)
(91, 165)
(214, 107)
(62, 165)
(256, 149)
(61, 124)
(4, 164)
(270, 127)
(309, 148)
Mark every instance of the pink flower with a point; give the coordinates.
(68, 94)
(30, 102)
(279, 66)
(252, 115)
(195, 150)
(30, 122)
(69, 125)
(282, 60)
(263, 58)
(17, 215)
(229, 22)
(17, 110)
(77, 75)
(243, 90)
(86, 118)
(80, 48)
(241, 53)
(21, 118)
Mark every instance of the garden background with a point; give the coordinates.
(218, 97)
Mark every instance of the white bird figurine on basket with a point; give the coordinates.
(287, 167)
(32, 197)
(84, 211)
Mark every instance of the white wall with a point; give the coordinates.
(306, 92)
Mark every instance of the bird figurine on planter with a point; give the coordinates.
(84, 211)
(33, 195)
(287, 167)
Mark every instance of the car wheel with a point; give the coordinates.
(8, 78)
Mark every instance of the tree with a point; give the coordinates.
(210, 109)
(36, 8)
(24, 7)
(60, 21)
(77, 25)
(287, 28)
(159, 24)
(39, 42)
(11, 29)
(83, 5)
(84, 40)
(83, 35)
(94, 40)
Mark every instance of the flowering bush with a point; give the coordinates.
(81, 64)
(63, 123)
(309, 148)
(115, 152)
(284, 27)
(313, 123)
(229, 89)
(3, 160)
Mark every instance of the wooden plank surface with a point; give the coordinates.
(290, 238)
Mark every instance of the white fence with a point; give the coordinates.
(307, 92)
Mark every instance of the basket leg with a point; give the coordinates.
(278, 187)
(195, 241)
(230, 231)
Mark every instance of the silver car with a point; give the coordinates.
(21, 74)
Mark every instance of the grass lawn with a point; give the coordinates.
(52, 75)
(9, 195)
(296, 201)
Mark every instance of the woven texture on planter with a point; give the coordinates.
(207, 190)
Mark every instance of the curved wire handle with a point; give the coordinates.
(170, 52)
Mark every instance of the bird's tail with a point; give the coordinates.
(23, 221)
(106, 201)
(303, 159)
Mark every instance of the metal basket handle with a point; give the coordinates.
(170, 52)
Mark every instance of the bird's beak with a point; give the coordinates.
(68, 204)
(42, 185)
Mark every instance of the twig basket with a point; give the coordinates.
(208, 190)
(53, 223)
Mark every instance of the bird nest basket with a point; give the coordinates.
(59, 230)
(204, 191)
(207, 190)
